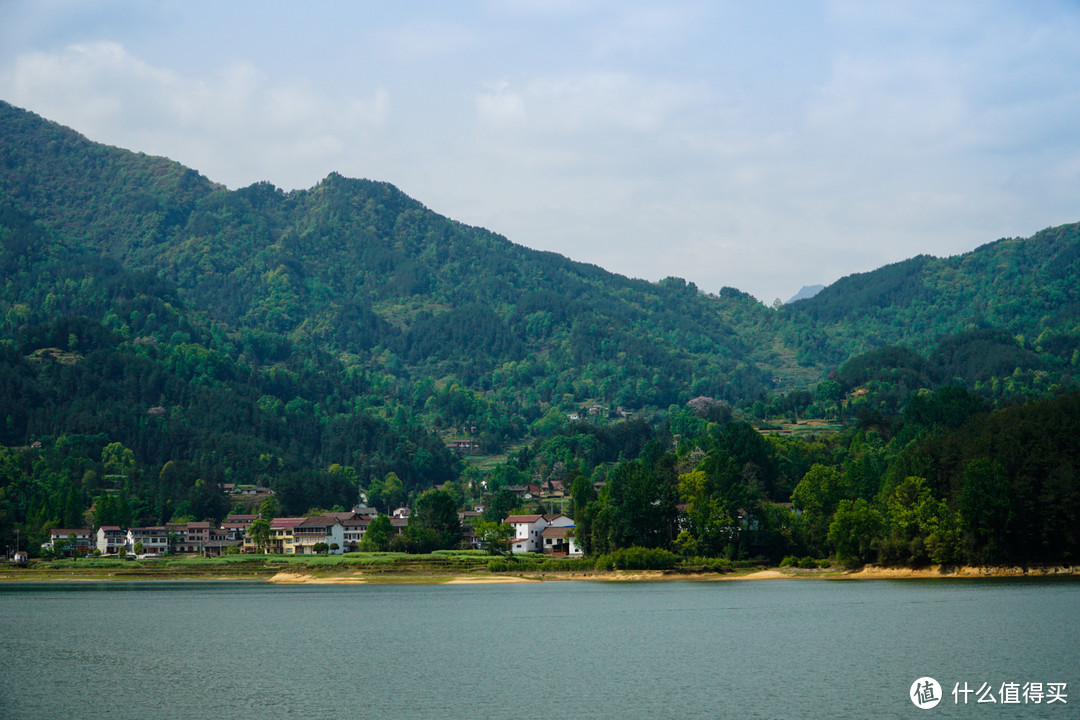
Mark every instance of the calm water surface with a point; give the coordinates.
(773, 649)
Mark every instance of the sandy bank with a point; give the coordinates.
(874, 572)
(488, 580)
(291, 578)
(298, 576)
(287, 578)
(764, 575)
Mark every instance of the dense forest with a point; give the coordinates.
(161, 336)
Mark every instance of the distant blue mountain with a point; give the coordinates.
(808, 291)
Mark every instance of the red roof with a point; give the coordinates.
(319, 521)
(522, 519)
(286, 523)
(347, 515)
(556, 516)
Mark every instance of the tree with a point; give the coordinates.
(950, 406)
(386, 493)
(919, 528)
(436, 512)
(830, 394)
(269, 508)
(117, 459)
(378, 535)
(495, 536)
(986, 505)
(501, 504)
(637, 506)
(138, 547)
(817, 495)
(320, 548)
(259, 532)
(854, 530)
(207, 500)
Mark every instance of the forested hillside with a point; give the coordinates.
(1026, 287)
(163, 335)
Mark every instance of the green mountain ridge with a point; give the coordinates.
(1025, 286)
(317, 341)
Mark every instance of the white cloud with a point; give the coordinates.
(234, 125)
(763, 147)
(425, 40)
(501, 108)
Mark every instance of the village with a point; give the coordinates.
(332, 533)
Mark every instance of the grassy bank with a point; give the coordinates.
(374, 567)
(246, 567)
(472, 566)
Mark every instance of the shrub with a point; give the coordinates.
(638, 558)
(708, 564)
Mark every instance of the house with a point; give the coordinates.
(559, 520)
(555, 489)
(314, 530)
(236, 526)
(252, 490)
(528, 490)
(465, 447)
(352, 531)
(189, 537)
(559, 541)
(527, 530)
(281, 535)
(75, 541)
(401, 512)
(154, 540)
(221, 538)
(110, 538)
(468, 520)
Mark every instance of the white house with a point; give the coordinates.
(527, 529)
(322, 529)
(155, 540)
(110, 538)
(559, 541)
(352, 531)
(83, 539)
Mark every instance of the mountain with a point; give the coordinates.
(1024, 286)
(357, 267)
(321, 340)
(805, 292)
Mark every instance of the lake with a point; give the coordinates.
(682, 649)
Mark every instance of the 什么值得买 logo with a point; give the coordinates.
(925, 693)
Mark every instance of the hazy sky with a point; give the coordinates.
(763, 146)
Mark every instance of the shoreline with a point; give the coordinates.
(320, 576)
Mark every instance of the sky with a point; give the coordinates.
(761, 146)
